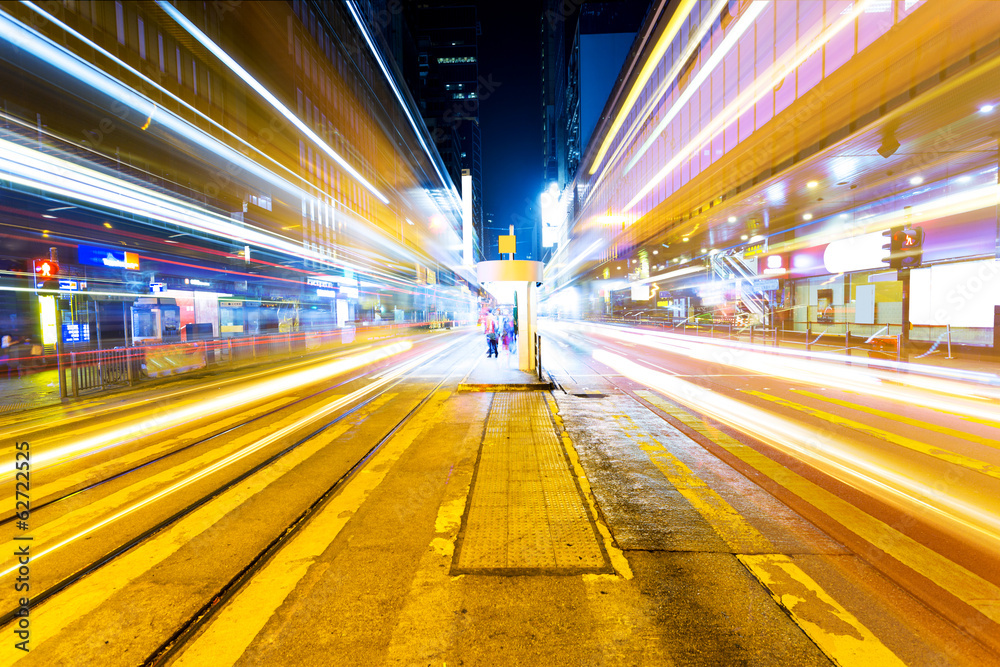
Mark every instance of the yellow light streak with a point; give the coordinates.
(227, 401)
(910, 389)
(673, 26)
(832, 456)
(248, 450)
(654, 99)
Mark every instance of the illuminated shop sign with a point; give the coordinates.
(76, 333)
(755, 249)
(197, 283)
(114, 259)
(325, 283)
(774, 265)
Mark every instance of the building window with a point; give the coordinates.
(142, 38)
(120, 21)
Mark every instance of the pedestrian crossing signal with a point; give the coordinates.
(905, 247)
(46, 274)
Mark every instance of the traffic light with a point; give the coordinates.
(905, 247)
(46, 274)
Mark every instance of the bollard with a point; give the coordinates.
(949, 342)
(128, 366)
(751, 334)
(847, 338)
(538, 355)
(809, 336)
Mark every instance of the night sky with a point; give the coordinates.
(511, 122)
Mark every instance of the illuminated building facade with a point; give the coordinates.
(754, 153)
(260, 161)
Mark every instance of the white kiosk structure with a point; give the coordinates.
(521, 277)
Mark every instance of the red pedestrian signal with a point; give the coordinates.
(46, 274)
(905, 247)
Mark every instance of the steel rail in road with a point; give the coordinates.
(233, 585)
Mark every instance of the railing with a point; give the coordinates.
(877, 340)
(101, 369)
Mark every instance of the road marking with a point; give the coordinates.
(425, 625)
(667, 370)
(841, 636)
(616, 555)
(926, 425)
(723, 517)
(945, 455)
(834, 629)
(234, 628)
(967, 586)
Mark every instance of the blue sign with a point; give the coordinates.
(113, 259)
(76, 333)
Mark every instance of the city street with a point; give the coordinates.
(146, 512)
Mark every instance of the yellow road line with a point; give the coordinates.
(919, 423)
(977, 420)
(967, 586)
(945, 455)
(617, 557)
(234, 628)
(727, 522)
(834, 629)
(425, 628)
(723, 517)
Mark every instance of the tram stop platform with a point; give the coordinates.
(501, 374)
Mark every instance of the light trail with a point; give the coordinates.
(245, 451)
(238, 70)
(254, 393)
(937, 394)
(90, 414)
(834, 456)
(762, 85)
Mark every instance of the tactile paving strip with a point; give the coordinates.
(525, 514)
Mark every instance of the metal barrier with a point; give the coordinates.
(100, 369)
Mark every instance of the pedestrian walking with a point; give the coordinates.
(491, 335)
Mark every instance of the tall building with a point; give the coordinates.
(554, 25)
(602, 36)
(448, 90)
(583, 50)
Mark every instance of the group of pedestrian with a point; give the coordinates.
(501, 333)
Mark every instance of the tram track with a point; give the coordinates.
(157, 459)
(387, 382)
(176, 643)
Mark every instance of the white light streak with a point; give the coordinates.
(235, 67)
